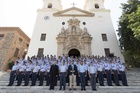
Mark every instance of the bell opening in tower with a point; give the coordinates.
(74, 53)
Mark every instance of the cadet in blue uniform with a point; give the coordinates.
(114, 69)
(92, 74)
(100, 73)
(122, 70)
(107, 67)
(43, 69)
(22, 69)
(13, 73)
(82, 73)
(63, 72)
(29, 69)
(48, 74)
(34, 74)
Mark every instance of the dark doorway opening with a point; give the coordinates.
(74, 53)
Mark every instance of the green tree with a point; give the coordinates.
(129, 43)
(134, 22)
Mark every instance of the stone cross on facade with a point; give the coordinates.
(73, 4)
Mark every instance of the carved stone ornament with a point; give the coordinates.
(74, 38)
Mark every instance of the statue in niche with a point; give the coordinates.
(73, 29)
(85, 31)
(62, 30)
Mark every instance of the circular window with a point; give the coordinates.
(84, 23)
(63, 23)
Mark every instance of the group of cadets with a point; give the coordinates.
(71, 70)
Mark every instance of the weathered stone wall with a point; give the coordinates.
(4, 50)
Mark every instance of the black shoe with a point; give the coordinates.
(81, 89)
(74, 89)
(9, 85)
(39, 85)
(118, 85)
(63, 89)
(84, 89)
(70, 89)
(60, 89)
(24, 85)
(17, 85)
(94, 90)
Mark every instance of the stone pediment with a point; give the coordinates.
(73, 12)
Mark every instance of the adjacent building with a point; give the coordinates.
(13, 43)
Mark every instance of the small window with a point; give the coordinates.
(1, 36)
(16, 52)
(40, 52)
(49, 5)
(96, 6)
(43, 37)
(107, 52)
(20, 39)
(104, 37)
(27, 45)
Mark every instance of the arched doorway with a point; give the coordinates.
(74, 53)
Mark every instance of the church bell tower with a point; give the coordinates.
(52, 4)
(94, 4)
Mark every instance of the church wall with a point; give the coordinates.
(99, 24)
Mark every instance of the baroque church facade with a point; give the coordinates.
(74, 31)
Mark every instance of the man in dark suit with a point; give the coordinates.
(72, 72)
(53, 75)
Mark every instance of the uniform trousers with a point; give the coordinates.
(12, 78)
(27, 76)
(63, 80)
(101, 78)
(93, 81)
(123, 77)
(47, 79)
(41, 78)
(72, 79)
(82, 79)
(108, 77)
(19, 80)
(34, 77)
(115, 75)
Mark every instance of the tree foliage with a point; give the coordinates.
(134, 22)
(128, 32)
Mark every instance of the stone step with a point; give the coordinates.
(45, 89)
(37, 83)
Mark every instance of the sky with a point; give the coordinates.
(22, 13)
